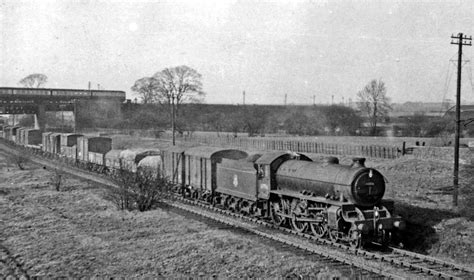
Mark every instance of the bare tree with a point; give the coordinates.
(145, 89)
(374, 102)
(177, 85)
(34, 80)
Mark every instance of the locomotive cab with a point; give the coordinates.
(267, 166)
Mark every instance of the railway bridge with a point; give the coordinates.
(15, 100)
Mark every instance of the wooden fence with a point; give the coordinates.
(374, 151)
(261, 144)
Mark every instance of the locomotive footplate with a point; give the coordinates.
(375, 225)
(378, 220)
(374, 220)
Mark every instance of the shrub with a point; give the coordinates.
(19, 160)
(56, 179)
(141, 190)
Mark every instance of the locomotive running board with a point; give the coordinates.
(310, 198)
(298, 219)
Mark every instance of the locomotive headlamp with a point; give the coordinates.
(376, 212)
(380, 226)
(371, 173)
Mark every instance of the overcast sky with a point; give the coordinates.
(267, 48)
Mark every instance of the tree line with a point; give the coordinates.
(251, 119)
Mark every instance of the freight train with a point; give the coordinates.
(330, 200)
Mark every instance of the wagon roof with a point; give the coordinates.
(149, 152)
(47, 133)
(136, 154)
(150, 161)
(113, 154)
(211, 152)
(142, 151)
(268, 158)
(98, 138)
(72, 134)
(31, 129)
(55, 133)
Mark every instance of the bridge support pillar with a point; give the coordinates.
(40, 117)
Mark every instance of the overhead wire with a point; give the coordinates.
(446, 84)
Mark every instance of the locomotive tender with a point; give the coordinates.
(342, 202)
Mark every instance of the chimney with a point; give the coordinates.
(331, 160)
(358, 162)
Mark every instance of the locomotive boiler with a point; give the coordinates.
(353, 183)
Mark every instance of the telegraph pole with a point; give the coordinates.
(173, 119)
(461, 41)
(243, 97)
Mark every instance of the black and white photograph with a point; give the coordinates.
(236, 139)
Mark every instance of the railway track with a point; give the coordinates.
(393, 263)
(431, 265)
